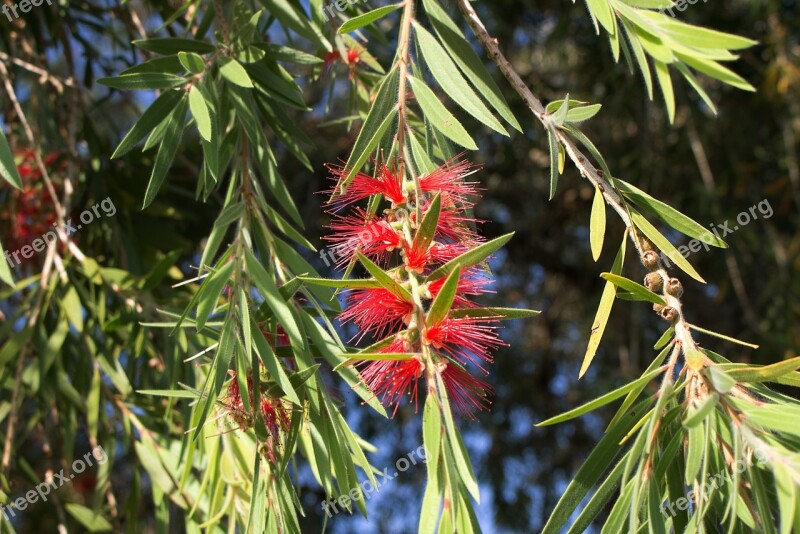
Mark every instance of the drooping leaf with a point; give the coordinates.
(8, 170)
(368, 18)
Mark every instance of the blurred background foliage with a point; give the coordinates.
(711, 168)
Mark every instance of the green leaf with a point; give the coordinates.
(192, 62)
(166, 153)
(91, 520)
(663, 77)
(697, 36)
(72, 308)
(8, 170)
(372, 356)
(447, 75)
(552, 139)
(471, 257)
(152, 117)
(234, 72)
(499, 313)
(669, 215)
(380, 116)
(342, 284)
(594, 466)
(641, 58)
(694, 453)
(5, 271)
(432, 439)
(697, 415)
(633, 287)
(456, 445)
(210, 291)
(367, 18)
(468, 61)
(664, 245)
(597, 224)
(444, 300)
(144, 80)
(721, 380)
(767, 373)
(292, 16)
(601, 10)
(169, 393)
(715, 70)
(386, 280)
(199, 108)
(427, 229)
(602, 401)
(273, 298)
(723, 336)
(583, 113)
(560, 115)
(439, 117)
(173, 45)
(665, 338)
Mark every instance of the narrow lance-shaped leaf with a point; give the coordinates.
(199, 109)
(439, 117)
(633, 287)
(151, 118)
(603, 311)
(472, 257)
(597, 225)
(444, 299)
(471, 65)
(166, 153)
(8, 170)
(380, 116)
(368, 18)
(450, 80)
(427, 229)
(552, 140)
(603, 400)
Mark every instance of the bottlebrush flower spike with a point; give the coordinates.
(274, 411)
(467, 392)
(376, 311)
(385, 183)
(374, 238)
(465, 339)
(427, 223)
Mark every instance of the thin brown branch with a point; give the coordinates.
(673, 311)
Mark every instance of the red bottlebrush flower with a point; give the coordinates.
(467, 392)
(274, 412)
(276, 419)
(392, 379)
(33, 212)
(376, 311)
(466, 339)
(375, 238)
(444, 252)
(449, 178)
(386, 183)
(416, 257)
(454, 225)
(472, 282)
